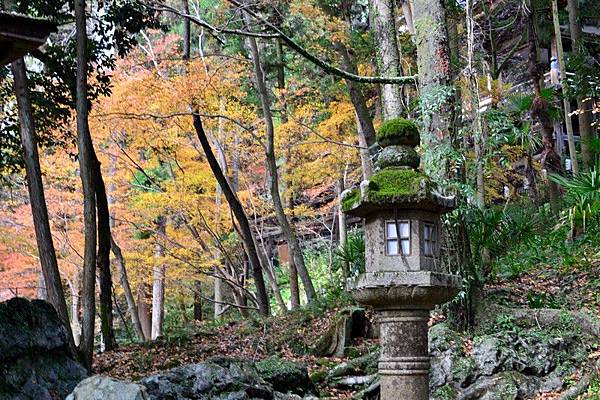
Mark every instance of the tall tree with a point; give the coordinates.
(550, 159)
(239, 213)
(435, 83)
(564, 85)
(388, 55)
(286, 227)
(86, 171)
(131, 306)
(103, 257)
(43, 235)
(584, 105)
(158, 281)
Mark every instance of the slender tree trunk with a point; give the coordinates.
(103, 259)
(197, 300)
(186, 56)
(41, 292)
(86, 171)
(292, 270)
(408, 16)
(158, 285)
(584, 105)
(564, 84)
(240, 215)
(75, 296)
(41, 224)
(388, 56)
(550, 159)
(131, 306)
(435, 82)
(144, 311)
(478, 129)
(186, 30)
(218, 283)
(288, 231)
(218, 296)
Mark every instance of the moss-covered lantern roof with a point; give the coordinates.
(397, 183)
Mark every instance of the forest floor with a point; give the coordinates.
(292, 336)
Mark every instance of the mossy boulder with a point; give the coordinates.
(396, 156)
(285, 376)
(398, 131)
(390, 184)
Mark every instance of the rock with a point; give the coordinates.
(370, 393)
(105, 388)
(208, 381)
(502, 386)
(393, 156)
(29, 327)
(485, 354)
(35, 362)
(366, 364)
(353, 381)
(285, 376)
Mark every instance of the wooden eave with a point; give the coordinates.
(20, 34)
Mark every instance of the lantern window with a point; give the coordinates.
(392, 248)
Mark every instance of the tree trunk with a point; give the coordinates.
(343, 236)
(286, 227)
(41, 292)
(550, 159)
(408, 16)
(564, 85)
(103, 259)
(186, 30)
(478, 129)
(584, 105)
(158, 283)
(218, 296)
(41, 224)
(75, 296)
(131, 307)
(388, 56)
(197, 301)
(86, 171)
(292, 270)
(435, 81)
(366, 131)
(144, 311)
(240, 215)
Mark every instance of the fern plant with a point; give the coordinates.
(583, 200)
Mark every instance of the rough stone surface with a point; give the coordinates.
(231, 379)
(285, 376)
(34, 359)
(105, 388)
(29, 327)
(393, 156)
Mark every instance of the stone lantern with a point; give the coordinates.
(404, 277)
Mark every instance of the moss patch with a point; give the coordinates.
(389, 183)
(352, 198)
(398, 131)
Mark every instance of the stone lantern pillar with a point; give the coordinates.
(404, 276)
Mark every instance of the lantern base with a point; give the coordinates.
(402, 301)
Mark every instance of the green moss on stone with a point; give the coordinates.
(389, 184)
(398, 131)
(352, 198)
